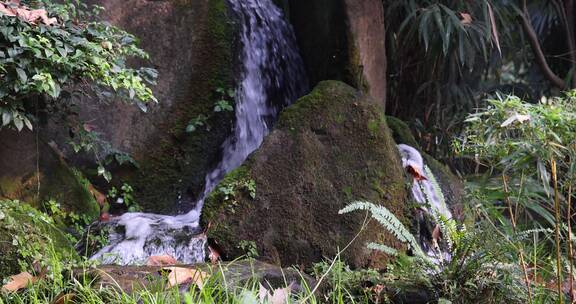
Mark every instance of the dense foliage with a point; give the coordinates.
(39, 60)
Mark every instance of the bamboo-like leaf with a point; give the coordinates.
(495, 35)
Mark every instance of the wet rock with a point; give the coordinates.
(330, 148)
(238, 274)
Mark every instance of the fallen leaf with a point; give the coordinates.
(161, 260)
(280, 296)
(436, 233)
(99, 196)
(64, 298)
(7, 11)
(466, 18)
(214, 255)
(181, 275)
(15, 9)
(416, 172)
(89, 127)
(19, 281)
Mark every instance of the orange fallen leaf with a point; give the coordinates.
(214, 255)
(19, 281)
(278, 296)
(181, 275)
(99, 196)
(15, 9)
(161, 260)
(416, 172)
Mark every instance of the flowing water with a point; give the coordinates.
(426, 191)
(272, 77)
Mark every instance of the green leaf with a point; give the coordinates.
(190, 128)
(22, 75)
(6, 118)
(28, 123)
(18, 122)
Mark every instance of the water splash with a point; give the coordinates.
(272, 77)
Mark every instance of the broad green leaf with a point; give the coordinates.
(18, 122)
(22, 75)
(6, 118)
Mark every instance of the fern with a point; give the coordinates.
(380, 247)
(391, 223)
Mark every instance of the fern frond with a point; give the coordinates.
(389, 221)
(380, 247)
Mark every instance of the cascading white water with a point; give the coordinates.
(424, 189)
(427, 192)
(272, 77)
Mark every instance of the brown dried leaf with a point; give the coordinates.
(19, 281)
(15, 9)
(7, 10)
(181, 275)
(161, 260)
(64, 298)
(416, 172)
(214, 255)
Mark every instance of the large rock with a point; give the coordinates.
(191, 45)
(27, 236)
(236, 274)
(330, 148)
(33, 171)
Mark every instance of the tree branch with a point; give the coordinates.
(537, 49)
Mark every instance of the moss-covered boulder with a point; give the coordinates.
(451, 185)
(35, 173)
(330, 148)
(28, 236)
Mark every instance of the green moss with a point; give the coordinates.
(179, 161)
(329, 148)
(401, 132)
(69, 187)
(225, 199)
(27, 235)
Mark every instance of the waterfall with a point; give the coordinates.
(425, 188)
(272, 77)
(426, 191)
